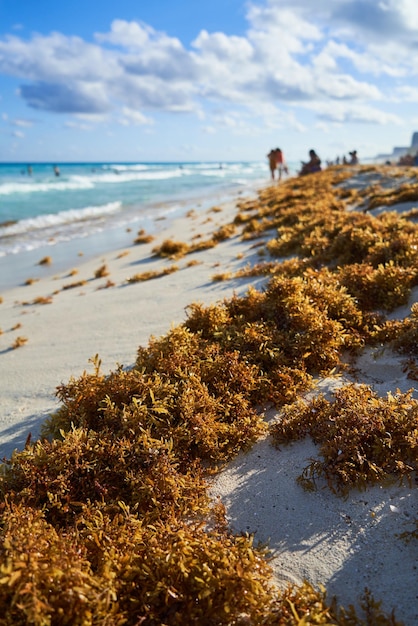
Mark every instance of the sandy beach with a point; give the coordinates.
(344, 543)
(80, 322)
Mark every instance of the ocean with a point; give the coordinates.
(96, 204)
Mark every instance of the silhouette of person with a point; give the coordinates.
(280, 163)
(313, 165)
(277, 162)
(354, 157)
(272, 163)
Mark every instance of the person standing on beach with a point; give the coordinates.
(277, 162)
(272, 163)
(280, 163)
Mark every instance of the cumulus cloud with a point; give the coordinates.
(55, 58)
(381, 31)
(149, 52)
(370, 63)
(60, 98)
(152, 93)
(358, 113)
(295, 54)
(127, 34)
(131, 116)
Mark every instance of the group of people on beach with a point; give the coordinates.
(352, 160)
(407, 159)
(277, 162)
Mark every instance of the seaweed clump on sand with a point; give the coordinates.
(177, 249)
(362, 438)
(106, 519)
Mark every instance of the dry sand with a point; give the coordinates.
(345, 544)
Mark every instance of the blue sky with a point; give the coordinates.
(223, 80)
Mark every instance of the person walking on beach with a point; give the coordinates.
(272, 163)
(313, 165)
(277, 162)
(280, 163)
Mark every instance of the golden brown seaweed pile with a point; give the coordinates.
(106, 520)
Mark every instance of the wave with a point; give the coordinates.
(125, 168)
(165, 166)
(126, 177)
(79, 182)
(121, 174)
(82, 182)
(59, 219)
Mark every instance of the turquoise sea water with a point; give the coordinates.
(38, 208)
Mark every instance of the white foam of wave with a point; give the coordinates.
(205, 166)
(218, 173)
(225, 167)
(125, 168)
(59, 219)
(206, 169)
(125, 177)
(79, 182)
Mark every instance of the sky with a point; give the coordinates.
(221, 80)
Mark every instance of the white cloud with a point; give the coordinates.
(22, 123)
(153, 93)
(293, 28)
(370, 62)
(55, 57)
(135, 118)
(346, 87)
(75, 97)
(406, 94)
(358, 113)
(127, 34)
(285, 120)
(77, 125)
(224, 48)
(325, 57)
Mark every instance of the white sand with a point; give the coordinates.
(343, 544)
(346, 544)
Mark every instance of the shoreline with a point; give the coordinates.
(81, 322)
(16, 268)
